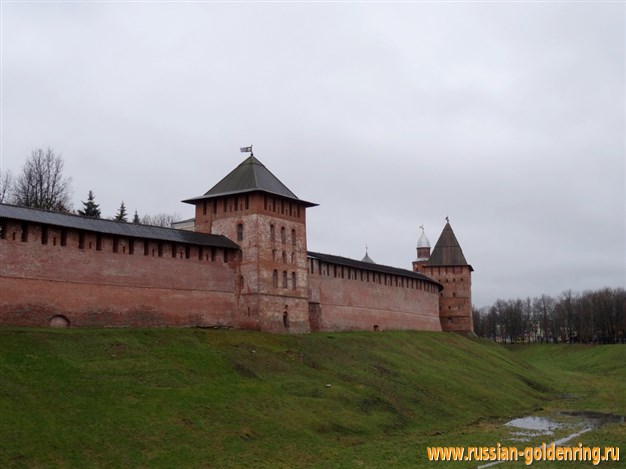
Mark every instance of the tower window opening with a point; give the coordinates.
(293, 280)
(240, 232)
(286, 319)
(24, 232)
(275, 278)
(284, 257)
(272, 233)
(44, 235)
(284, 279)
(283, 235)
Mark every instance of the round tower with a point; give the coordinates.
(423, 251)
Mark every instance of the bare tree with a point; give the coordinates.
(41, 183)
(6, 187)
(164, 220)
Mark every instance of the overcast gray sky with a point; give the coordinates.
(507, 117)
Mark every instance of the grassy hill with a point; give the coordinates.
(204, 398)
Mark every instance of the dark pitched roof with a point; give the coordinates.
(447, 251)
(250, 176)
(133, 230)
(371, 267)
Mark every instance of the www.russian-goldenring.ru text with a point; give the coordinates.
(594, 454)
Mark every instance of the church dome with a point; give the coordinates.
(367, 258)
(423, 241)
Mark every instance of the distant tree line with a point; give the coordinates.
(595, 316)
(41, 184)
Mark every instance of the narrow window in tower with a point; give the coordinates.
(63, 237)
(293, 238)
(284, 257)
(173, 248)
(236, 203)
(44, 235)
(116, 243)
(240, 232)
(283, 235)
(98, 242)
(247, 202)
(160, 248)
(272, 233)
(24, 232)
(286, 320)
(187, 251)
(131, 246)
(225, 256)
(146, 247)
(273, 254)
(293, 280)
(293, 258)
(284, 279)
(81, 240)
(225, 204)
(213, 254)
(275, 278)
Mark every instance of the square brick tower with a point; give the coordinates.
(257, 211)
(447, 265)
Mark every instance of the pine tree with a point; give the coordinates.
(136, 217)
(121, 214)
(91, 208)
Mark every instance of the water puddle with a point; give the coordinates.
(573, 424)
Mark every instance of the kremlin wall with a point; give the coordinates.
(243, 264)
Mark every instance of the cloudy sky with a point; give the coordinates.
(508, 117)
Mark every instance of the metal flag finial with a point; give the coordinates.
(246, 150)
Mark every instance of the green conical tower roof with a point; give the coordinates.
(250, 176)
(447, 251)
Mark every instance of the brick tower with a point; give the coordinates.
(257, 211)
(447, 265)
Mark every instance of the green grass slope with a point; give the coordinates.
(203, 398)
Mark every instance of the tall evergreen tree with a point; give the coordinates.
(136, 218)
(91, 208)
(121, 214)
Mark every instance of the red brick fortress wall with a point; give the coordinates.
(344, 298)
(47, 279)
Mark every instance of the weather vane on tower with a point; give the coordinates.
(246, 150)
